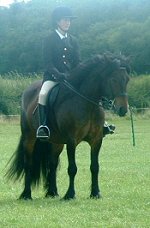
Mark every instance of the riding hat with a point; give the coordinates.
(60, 13)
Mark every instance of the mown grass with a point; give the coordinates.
(124, 181)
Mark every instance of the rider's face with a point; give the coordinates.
(64, 24)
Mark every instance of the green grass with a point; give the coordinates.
(124, 180)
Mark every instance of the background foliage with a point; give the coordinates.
(139, 92)
(120, 26)
(12, 86)
(106, 25)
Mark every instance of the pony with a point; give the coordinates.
(75, 115)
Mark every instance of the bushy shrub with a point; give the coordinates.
(139, 91)
(13, 84)
(11, 88)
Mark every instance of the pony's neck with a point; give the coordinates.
(92, 88)
(87, 78)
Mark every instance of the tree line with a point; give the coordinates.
(102, 25)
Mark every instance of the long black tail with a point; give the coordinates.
(17, 165)
(40, 162)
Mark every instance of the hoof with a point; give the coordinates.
(25, 198)
(69, 197)
(95, 196)
(51, 195)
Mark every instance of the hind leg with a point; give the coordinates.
(51, 185)
(28, 145)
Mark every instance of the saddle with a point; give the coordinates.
(51, 117)
(52, 96)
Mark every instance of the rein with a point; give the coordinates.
(104, 102)
(122, 95)
(68, 85)
(98, 103)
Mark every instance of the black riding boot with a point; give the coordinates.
(108, 129)
(43, 131)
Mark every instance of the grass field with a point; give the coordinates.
(124, 180)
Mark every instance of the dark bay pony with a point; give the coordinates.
(76, 116)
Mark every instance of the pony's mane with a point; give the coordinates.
(85, 67)
(106, 62)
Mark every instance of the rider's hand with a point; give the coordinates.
(58, 76)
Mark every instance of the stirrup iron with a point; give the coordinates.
(46, 130)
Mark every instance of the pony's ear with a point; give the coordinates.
(126, 62)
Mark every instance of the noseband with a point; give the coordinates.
(124, 94)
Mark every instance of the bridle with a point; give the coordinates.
(122, 94)
(98, 103)
(104, 102)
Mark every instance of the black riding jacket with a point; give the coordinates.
(60, 55)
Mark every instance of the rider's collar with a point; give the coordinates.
(60, 35)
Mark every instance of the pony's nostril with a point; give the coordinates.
(122, 111)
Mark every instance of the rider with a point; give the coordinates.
(61, 54)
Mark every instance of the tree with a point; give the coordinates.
(106, 25)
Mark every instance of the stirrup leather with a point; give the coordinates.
(46, 131)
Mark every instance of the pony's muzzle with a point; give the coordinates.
(122, 111)
(121, 105)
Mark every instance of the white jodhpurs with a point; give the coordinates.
(46, 87)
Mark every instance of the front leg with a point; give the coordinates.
(95, 191)
(72, 170)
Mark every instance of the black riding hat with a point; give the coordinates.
(60, 13)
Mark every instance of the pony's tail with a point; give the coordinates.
(16, 170)
(40, 162)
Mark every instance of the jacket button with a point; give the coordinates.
(64, 56)
(65, 49)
